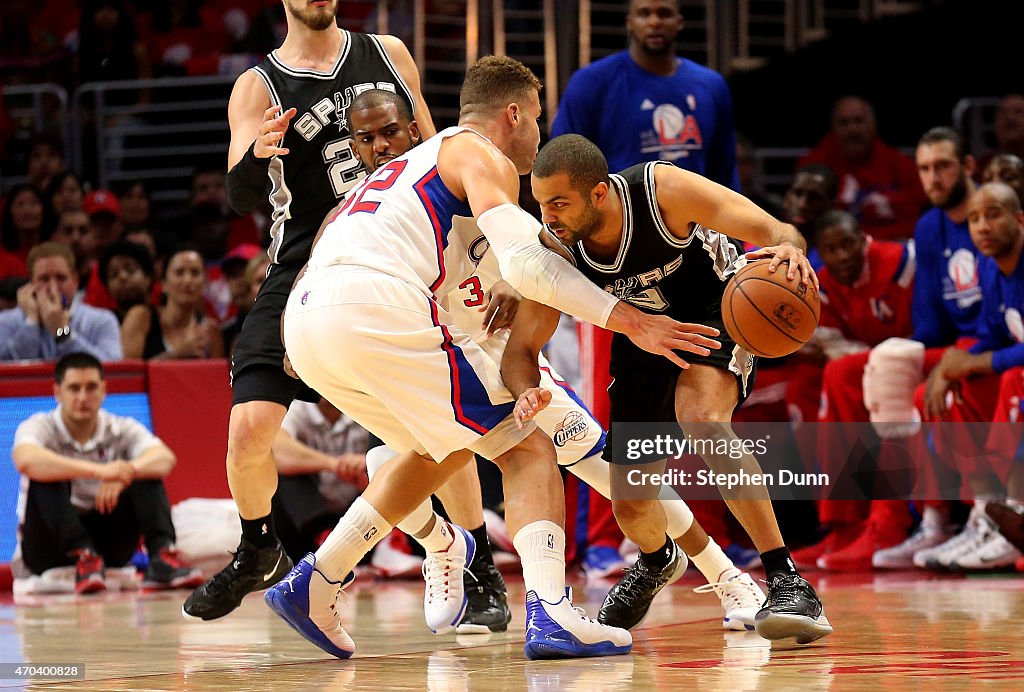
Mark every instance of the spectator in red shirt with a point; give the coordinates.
(27, 220)
(866, 292)
(878, 185)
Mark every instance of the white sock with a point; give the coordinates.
(711, 561)
(932, 519)
(439, 538)
(595, 472)
(416, 519)
(541, 548)
(357, 532)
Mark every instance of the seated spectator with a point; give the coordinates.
(9, 291)
(136, 204)
(1009, 130)
(749, 172)
(1006, 168)
(866, 292)
(180, 328)
(45, 159)
(75, 231)
(244, 291)
(104, 212)
(126, 269)
(810, 195)
(878, 184)
(321, 463)
(48, 322)
(94, 486)
(65, 193)
(27, 220)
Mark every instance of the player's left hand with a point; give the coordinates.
(798, 262)
(530, 403)
(500, 308)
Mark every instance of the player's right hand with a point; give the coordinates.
(663, 336)
(530, 403)
(272, 129)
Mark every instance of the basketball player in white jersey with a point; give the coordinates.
(364, 328)
(383, 129)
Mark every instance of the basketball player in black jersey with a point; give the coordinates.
(289, 139)
(645, 236)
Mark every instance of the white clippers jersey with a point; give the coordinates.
(403, 221)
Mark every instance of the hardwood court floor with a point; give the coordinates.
(898, 632)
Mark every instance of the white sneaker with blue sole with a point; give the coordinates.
(444, 598)
(308, 602)
(558, 630)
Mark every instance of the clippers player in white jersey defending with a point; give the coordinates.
(383, 129)
(289, 140)
(363, 326)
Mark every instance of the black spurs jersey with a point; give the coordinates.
(320, 167)
(655, 271)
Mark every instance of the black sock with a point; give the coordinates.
(259, 532)
(483, 546)
(778, 560)
(660, 558)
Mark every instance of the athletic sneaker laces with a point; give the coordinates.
(438, 569)
(735, 592)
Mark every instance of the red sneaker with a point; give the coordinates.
(857, 555)
(837, 539)
(89, 576)
(167, 570)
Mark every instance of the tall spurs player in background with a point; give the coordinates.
(289, 137)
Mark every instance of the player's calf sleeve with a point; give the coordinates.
(416, 520)
(595, 472)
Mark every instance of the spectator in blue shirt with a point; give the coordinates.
(646, 103)
(49, 322)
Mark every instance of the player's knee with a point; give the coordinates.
(631, 512)
(251, 432)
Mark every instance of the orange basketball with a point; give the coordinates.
(766, 313)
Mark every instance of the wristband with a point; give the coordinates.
(247, 181)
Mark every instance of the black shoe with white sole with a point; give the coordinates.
(792, 609)
(626, 605)
(251, 569)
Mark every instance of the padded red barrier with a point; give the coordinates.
(36, 379)
(190, 402)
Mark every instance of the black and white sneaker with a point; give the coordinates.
(792, 609)
(487, 610)
(626, 605)
(251, 569)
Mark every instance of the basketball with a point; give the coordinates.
(766, 313)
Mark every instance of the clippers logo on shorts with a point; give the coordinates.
(334, 110)
(305, 297)
(477, 250)
(573, 427)
(961, 282)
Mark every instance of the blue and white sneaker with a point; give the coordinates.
(603, 562)
(743, 558)
(444, 598)
(308, 601)
(558, 630)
